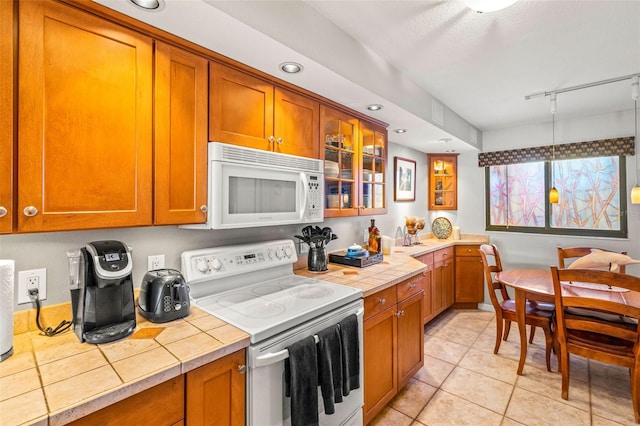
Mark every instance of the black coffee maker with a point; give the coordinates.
(102, 291)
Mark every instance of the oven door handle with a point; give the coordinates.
(274, 357)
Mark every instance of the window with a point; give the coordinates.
(592, 197)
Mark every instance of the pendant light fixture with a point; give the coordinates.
(554, 196)
(635, 92)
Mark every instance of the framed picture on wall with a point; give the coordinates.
(404, 174)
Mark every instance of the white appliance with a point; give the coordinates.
(253, 287)
(251, 187)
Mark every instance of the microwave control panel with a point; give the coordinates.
(315, 189)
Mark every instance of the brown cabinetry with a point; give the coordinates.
(469, 280)
(355, 156)
(161, 405)
(215, 393)
(7, 125)
(428, 302)
(248, 111)
(443, 182)
(393, 342)
(180, 137)
(443, 276)
(85, 121)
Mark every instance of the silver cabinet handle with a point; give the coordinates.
(412, 285)
(203, 208)
(279, 140)
(400, 313)
(271, 138)
(242, 369)
(3, 211)
(381, 300)
(30, 211)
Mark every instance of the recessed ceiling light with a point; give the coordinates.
(400, 130)
(444, 140)
(291, 67)
(149, 4)
(450, 150)
(374, 107)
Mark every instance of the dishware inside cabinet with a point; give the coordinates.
(443, 181)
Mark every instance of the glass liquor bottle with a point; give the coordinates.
(374, 238)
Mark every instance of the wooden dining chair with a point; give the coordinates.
(591, 336)
(577, 252)
(537, 314)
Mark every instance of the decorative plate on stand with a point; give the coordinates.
(441, 228)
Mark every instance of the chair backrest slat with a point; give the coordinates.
(492, 265)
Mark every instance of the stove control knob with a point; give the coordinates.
(279, 253)
(216, 264)
(287, 251)
(270, 254)
(201, 265)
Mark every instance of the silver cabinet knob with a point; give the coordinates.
(30, 211)
(271, 138)
(381, 300)
(412, 285)
(203, 209)
(279, 140)
(242, 369)
(3, 211)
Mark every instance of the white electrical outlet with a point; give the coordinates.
(32, 279)
(303, 248)
(155, 262)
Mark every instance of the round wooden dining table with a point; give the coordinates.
(537, 284)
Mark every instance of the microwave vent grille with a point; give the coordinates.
(271, 159)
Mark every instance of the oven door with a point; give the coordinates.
(248, 195)
(266, 400)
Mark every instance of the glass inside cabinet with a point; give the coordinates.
(443, 186)
(340, 161)
(373, 167)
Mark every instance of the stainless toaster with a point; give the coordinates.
(164, 296)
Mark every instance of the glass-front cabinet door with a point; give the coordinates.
(443, 181)
(374, 168)
(339, 135)
(355, 164)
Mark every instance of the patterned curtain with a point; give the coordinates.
(566, 151)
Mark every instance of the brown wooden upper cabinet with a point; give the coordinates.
(355, 164)
(7, 133)
(180, 137)
(85, 121)
(443, 181)
(248, 111)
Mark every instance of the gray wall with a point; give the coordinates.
(48, 250)
(524, 250)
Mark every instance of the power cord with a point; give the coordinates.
(61, 328)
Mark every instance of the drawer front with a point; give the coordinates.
(409, 287)
(379, 301)
(472, 250)
(443, 255)
(427, 258)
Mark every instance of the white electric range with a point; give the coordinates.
(254, 288)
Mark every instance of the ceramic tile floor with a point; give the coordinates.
(464, 383)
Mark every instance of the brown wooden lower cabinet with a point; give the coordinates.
(443, 276)
(213, 394)
(469, 276)
(160, 405)
(393, 342)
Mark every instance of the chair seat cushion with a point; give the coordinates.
(530, 308)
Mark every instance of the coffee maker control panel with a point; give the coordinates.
(112, 259)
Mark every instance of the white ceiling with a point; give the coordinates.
(407, 54)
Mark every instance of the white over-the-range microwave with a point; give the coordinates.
(250, 187)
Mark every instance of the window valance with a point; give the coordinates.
(566, 151)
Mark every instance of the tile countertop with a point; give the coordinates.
(395, 268)
(55, 380)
